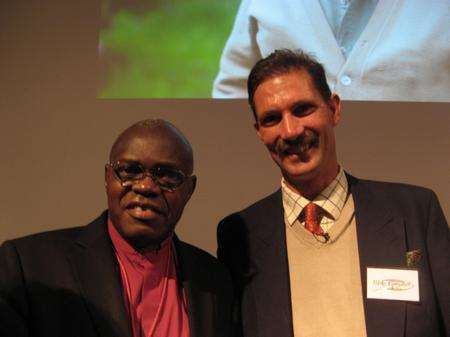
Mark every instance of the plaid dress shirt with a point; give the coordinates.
(331, 200)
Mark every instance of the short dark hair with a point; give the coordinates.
(284, 61)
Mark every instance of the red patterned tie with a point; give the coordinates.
(313, 215)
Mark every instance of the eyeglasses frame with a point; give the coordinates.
(147, 173)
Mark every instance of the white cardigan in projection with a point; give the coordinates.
(403, 54)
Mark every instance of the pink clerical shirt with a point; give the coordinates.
(154, 300)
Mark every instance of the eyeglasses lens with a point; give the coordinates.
(129, 172)
(166, 177)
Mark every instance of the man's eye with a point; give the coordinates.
(168, 173)
(303, 109)
(269, 120)
(129, 170)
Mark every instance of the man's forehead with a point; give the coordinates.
(297, 77)
(284, 87)
(139, 143)
(151, 146)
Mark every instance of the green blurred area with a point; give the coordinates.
(170, 50)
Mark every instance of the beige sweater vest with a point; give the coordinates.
(326, 293)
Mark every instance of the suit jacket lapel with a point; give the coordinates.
(200, 302)
(270, 283)
(381, 243)
(94, 264)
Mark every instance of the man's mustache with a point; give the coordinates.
(297, 145)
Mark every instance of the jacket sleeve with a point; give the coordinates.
(13, 305)
(232, 249)
(233, 252)
(438, 242)
(240, 54)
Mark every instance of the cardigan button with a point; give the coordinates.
(346, 80)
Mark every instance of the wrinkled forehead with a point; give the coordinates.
(152, 146)
(284, 88)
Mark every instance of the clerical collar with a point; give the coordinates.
(121, 245)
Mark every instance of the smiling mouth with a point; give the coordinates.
(299, 150)
(144, 211)
(298, 147)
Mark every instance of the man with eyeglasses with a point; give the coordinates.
(126, 274)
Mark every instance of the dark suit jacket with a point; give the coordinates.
(391, 219)
(67, 283)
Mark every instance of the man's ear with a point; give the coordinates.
(335, 106)
(192, 186)
(106, 175)
(256, 126)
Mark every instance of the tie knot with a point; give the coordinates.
(313, 215)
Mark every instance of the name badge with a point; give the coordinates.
(393, 284)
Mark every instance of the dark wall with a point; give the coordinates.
(55, 136)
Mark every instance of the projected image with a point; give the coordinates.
(162, 48)
(371, 50)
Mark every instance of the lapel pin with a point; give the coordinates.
(413, 257)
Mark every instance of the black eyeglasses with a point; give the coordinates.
(166, 177)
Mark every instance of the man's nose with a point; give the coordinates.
(290, 127)
(146, 186)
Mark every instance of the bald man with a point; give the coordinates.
(125, 274)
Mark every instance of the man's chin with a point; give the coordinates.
(148, 225)
(295, 158)
(145, 237)
(299, 172)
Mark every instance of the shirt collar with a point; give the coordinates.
(123, 248)
(331, 199)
